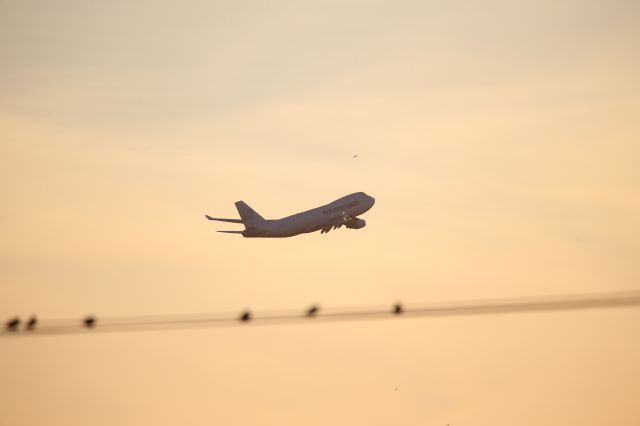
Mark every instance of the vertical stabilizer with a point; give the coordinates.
(249, 216)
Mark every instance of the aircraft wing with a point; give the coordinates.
(223, 220)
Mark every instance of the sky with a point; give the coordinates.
(500, 140)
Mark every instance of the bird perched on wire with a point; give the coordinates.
(12, 324)
(31, 324)
(89, 321)
(397, 309)
(313, 310)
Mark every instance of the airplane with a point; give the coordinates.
(343, 211)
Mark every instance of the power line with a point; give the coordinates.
(92, 324)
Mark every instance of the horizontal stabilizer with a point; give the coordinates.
(231, 232)
(223, 220)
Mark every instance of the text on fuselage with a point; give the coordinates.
(342, 207)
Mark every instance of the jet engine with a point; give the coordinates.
(356, 223)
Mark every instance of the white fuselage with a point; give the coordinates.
(336, 213)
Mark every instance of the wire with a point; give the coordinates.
(313, 314)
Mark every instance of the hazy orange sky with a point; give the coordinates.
(501, 141)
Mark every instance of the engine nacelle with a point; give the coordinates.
(356, 223)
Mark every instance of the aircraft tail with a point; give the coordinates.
(250, 217)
